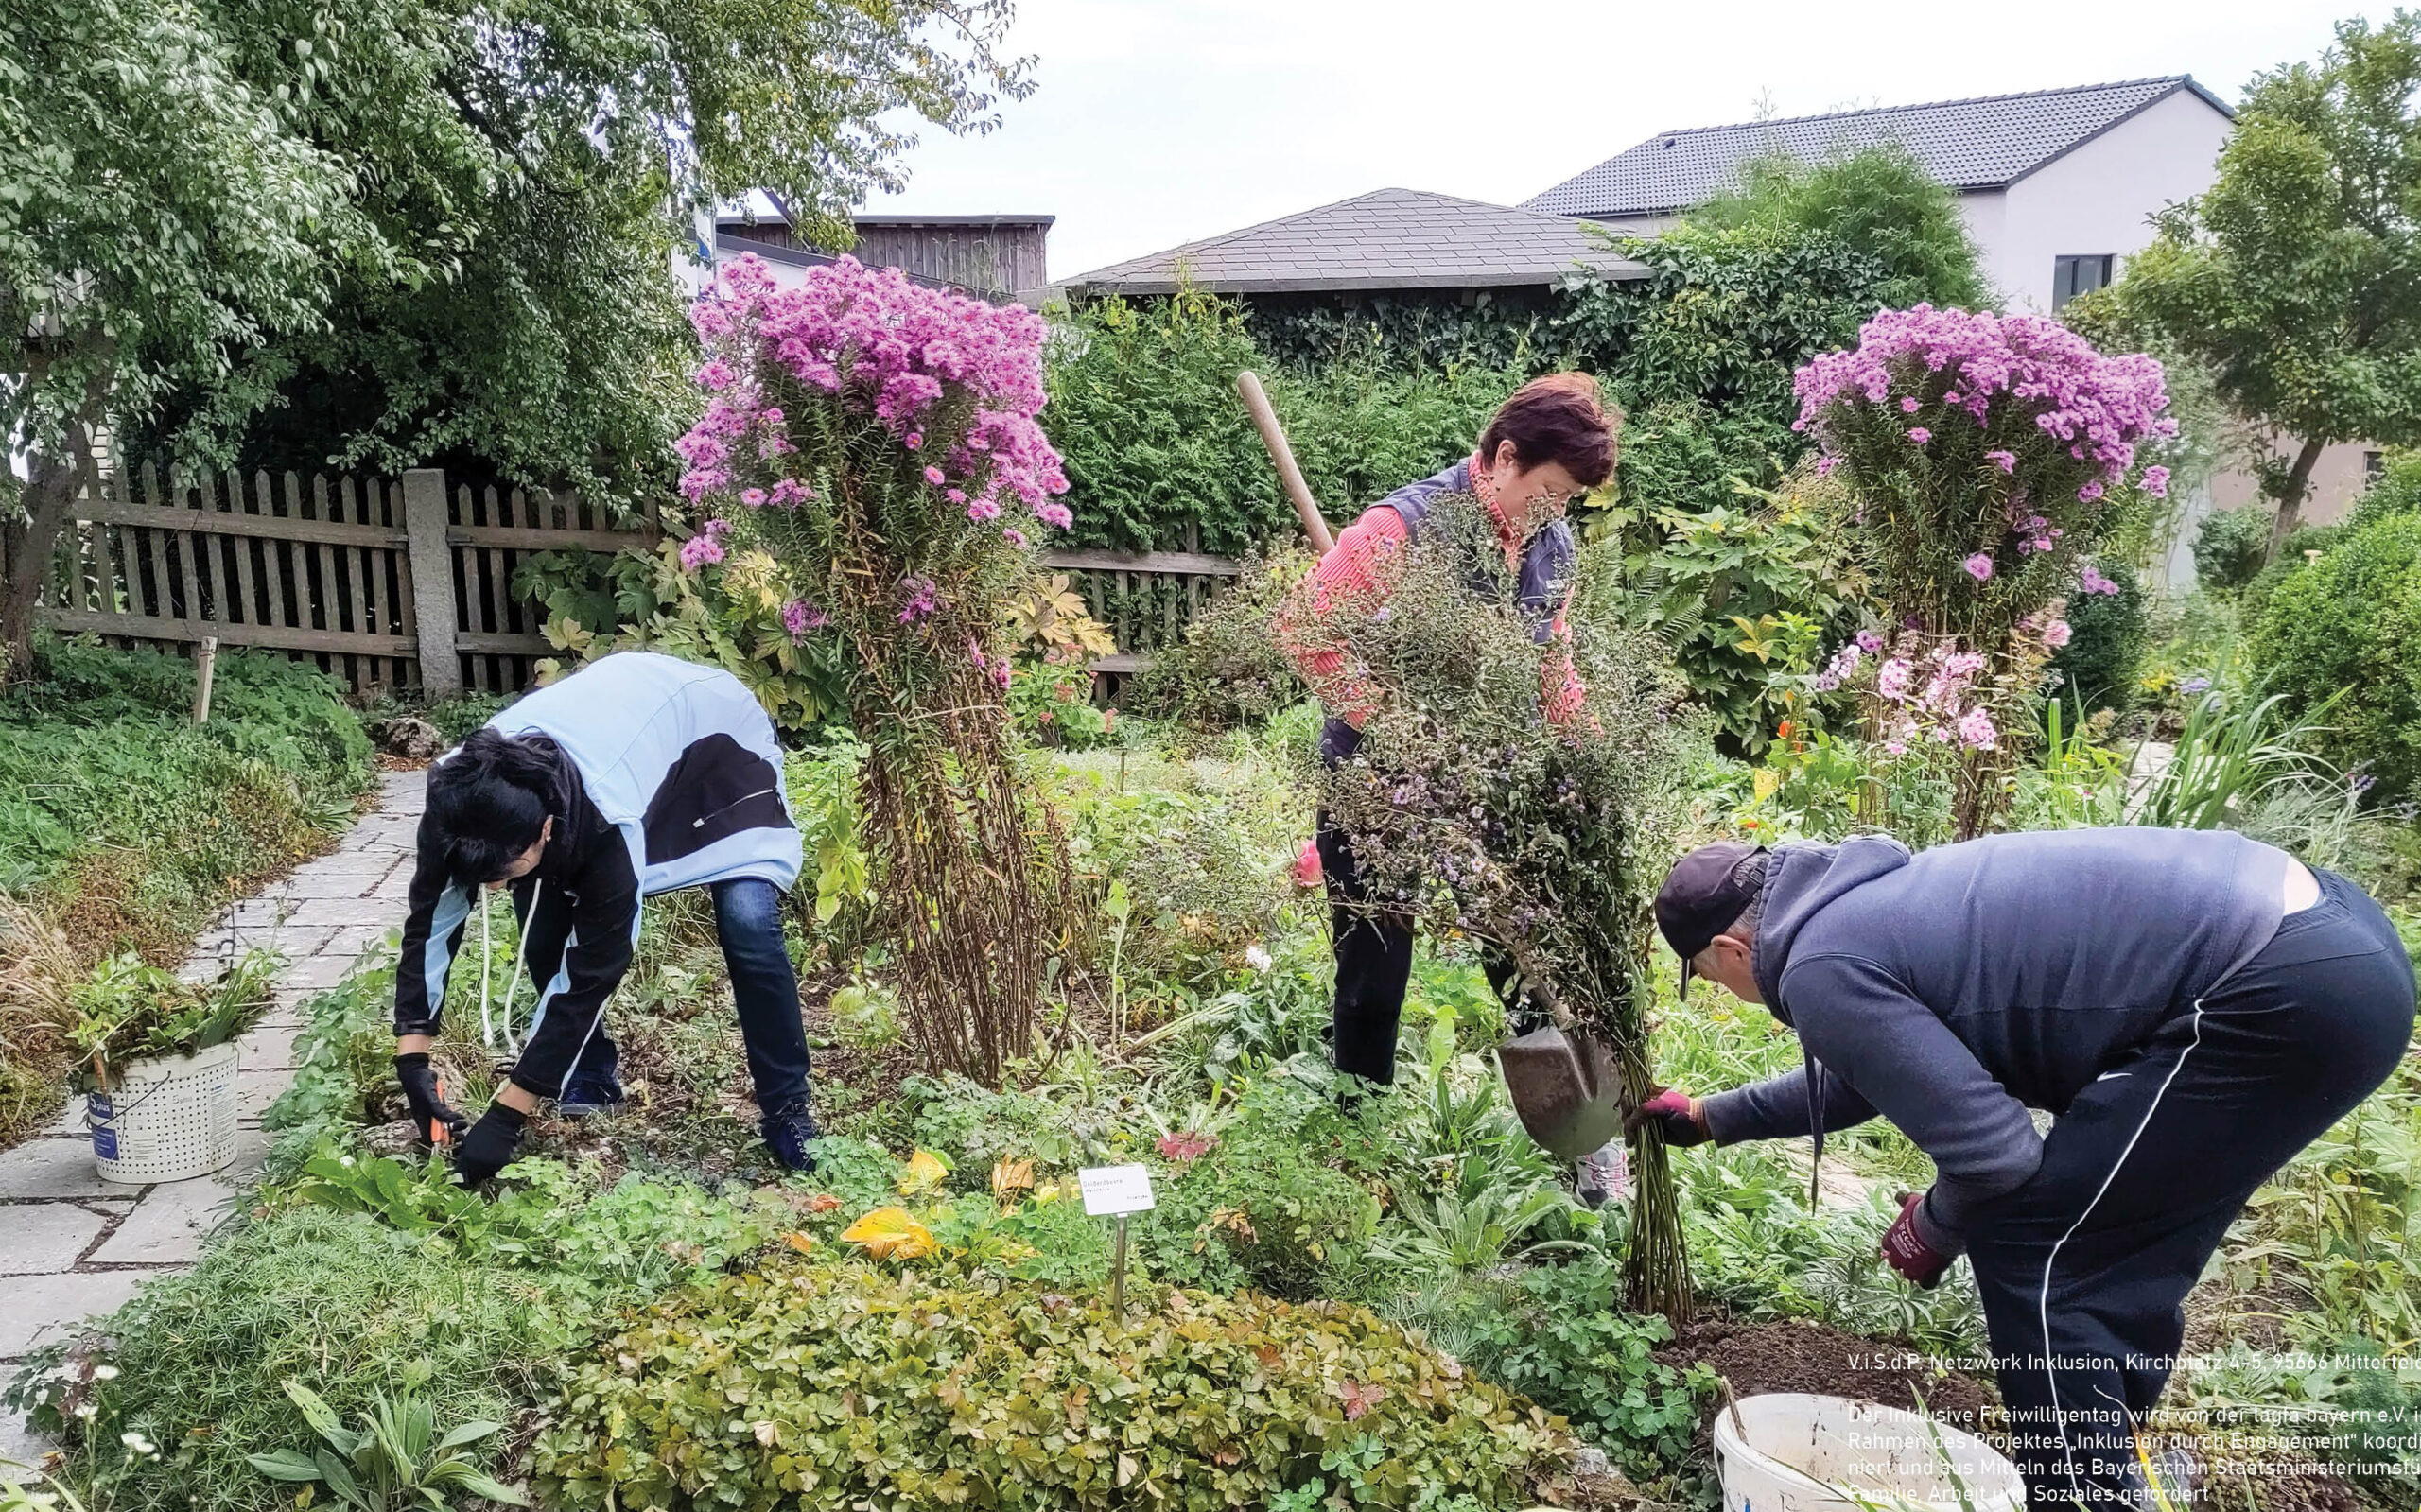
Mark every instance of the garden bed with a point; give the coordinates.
(1757, 1358)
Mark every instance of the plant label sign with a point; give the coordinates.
(1116, 1190)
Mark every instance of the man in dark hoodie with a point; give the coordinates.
(2193, 1007)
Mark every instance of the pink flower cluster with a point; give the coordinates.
(705, 547)
(2091, 581)
(884, 348)
(800, 618)
(1942, 705)
(2021, 368)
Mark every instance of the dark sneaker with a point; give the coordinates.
(789, 1132)
(588, 1096)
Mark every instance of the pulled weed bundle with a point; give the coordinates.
(1469, 809)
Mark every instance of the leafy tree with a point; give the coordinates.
(2297, 276)
(381, 232)
(1879, 200)
(2338, 633)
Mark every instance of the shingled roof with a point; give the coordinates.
(1968, 144)
(1388, 238)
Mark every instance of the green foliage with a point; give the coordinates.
(2234, 751)
(196, 1363)
(844, 1385)
(1743, 593)
(1144, 414)
(727, 616)
(2231, 545)
(2293, 276)
(1501, 330)
(1229, 669)
(1160, 455)
(1879, 200)
(2395, 490)
(1558, 1335)
(2107, 647)
(397, 1463)
(2340, 634)
(128, 1011)
(101, 761)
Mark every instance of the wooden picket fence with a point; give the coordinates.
(406, 583)
(386, 583)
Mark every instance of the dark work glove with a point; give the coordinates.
(1907, 1253)
(1678, 1113)
(430, 1111)
(490, 1146)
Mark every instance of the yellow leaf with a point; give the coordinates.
(802, 1242)
(925, 1170)
(1010, 1177)
(890, 1233)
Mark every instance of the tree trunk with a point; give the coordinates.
(26, 546)
(2291, 500)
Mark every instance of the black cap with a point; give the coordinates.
(1703, 895)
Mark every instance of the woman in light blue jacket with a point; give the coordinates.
(638, 774)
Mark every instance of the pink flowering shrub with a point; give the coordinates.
(873, 444)
(1987, 452)
(1985, 455)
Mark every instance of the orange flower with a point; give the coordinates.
(1782, 729)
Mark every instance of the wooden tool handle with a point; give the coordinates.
(1273, 436)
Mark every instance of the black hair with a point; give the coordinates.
(491, 799)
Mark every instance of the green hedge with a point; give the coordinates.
(2345, 627)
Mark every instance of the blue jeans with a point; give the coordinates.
(748, 920)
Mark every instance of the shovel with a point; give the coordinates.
(1565, 1088)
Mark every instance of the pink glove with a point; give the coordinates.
(1307, 865)
(1908, 1254)
(1676, 1113)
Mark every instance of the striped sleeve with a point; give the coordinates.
(436, 913)
(1352, 577)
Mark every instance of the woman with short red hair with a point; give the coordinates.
(1551, 441)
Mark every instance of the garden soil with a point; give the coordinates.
(1759, 1358)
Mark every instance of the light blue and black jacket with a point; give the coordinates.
(678, 783)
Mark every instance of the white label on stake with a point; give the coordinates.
(1112, 1189)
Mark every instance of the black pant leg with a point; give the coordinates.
(2084, 1270)
(591, 1071)
(1373, 966)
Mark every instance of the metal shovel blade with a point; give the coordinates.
(1565, 1088)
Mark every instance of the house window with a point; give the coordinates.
(2071, 277)
(2374, 467)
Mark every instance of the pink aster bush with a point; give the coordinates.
(1988, 454)
(871, 446)
(1985, 455)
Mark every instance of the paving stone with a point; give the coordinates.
(50, 1170)
(351, 909)
(256, 1090)
(269, 1049)
(40, 1237)
(168, 1226)
(17, 1440)
(41, 1308)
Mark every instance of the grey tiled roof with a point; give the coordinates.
(1968, 144)
(1388, 238)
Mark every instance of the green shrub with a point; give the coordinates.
(1879, 200)
(849, 1386)
(2348, 624)
(1229, 669)
(2291, 555)
(340, 1301)
(1558, 1334)
(2105, 652)
(2231, 545)
(2395, 490)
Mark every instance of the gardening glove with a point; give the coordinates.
(1907, 1253)
(490, 1146)
(429, 1107)
(1682, 1116)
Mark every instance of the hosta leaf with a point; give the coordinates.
(890, 1233)
(925, 1172)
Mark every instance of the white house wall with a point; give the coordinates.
(2101, 197)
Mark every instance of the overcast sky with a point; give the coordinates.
(1163, 121)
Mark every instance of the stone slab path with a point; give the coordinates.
(73, 1245)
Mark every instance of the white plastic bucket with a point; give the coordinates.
(166, 1119)
(1805, 1452)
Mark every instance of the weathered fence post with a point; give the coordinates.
(432, 564)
